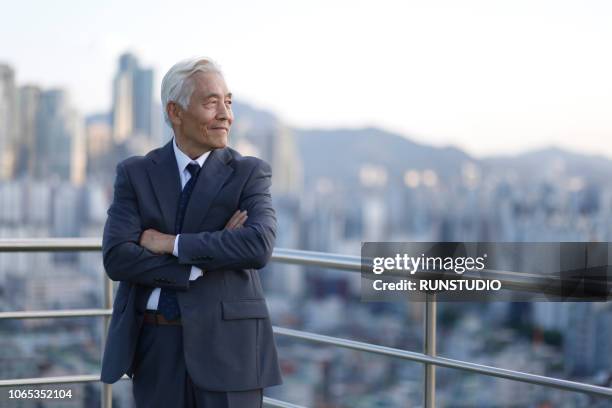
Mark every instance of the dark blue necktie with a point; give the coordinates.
(168, 305)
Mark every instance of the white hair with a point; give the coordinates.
(177, 85)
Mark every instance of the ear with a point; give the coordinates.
(175, 113)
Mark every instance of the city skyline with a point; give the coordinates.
(157, 131)
(489, 79)
(328, 200)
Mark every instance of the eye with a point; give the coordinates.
(228, 102)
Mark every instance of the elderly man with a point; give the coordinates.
(189, 225)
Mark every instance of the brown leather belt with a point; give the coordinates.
(153, 317)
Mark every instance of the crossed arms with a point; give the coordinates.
(144, 257)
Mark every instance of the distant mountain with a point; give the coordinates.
(340, 153)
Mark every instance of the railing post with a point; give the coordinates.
(429, 391)
(107, 390)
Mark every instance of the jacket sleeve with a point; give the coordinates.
(243, 248)
(124, 259)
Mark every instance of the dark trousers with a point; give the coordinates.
(161, 378)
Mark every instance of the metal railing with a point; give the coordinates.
(344, 262)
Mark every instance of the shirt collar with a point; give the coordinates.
(182, 160)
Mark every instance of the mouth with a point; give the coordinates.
(220, 128)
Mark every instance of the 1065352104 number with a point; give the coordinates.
(40, 394)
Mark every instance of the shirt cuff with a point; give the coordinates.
(175, 250)
(195, 271)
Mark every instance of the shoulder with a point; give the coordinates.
(135, 166)
(135, 162)
(127, 169)
(132, 162)
(245, 163)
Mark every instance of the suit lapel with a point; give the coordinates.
(213, 175)
(165, 179)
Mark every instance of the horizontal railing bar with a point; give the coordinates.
(320, 259)
(510, 280)
(67, 379)
(270, 402)
(447, 362)
(49, 244)
(49, 314)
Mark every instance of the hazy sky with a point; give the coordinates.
(488, 76)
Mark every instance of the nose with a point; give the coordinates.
(224, 113)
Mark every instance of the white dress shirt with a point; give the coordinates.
(182, 160)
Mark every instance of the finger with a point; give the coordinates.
(236, 217)
(240, 217)
(243, 217)
(231, 224)
(231, 221)
(242, 221)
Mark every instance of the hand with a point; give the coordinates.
(237, 220)
(157, 242)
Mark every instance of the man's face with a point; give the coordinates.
(206, 122)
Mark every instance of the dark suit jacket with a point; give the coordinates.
(227, 335)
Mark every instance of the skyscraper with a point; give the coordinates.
(8, 125)
(28, 98)
(61, 150)
(143, 101)
(132, 110)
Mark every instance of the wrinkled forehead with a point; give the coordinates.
(209, 84)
